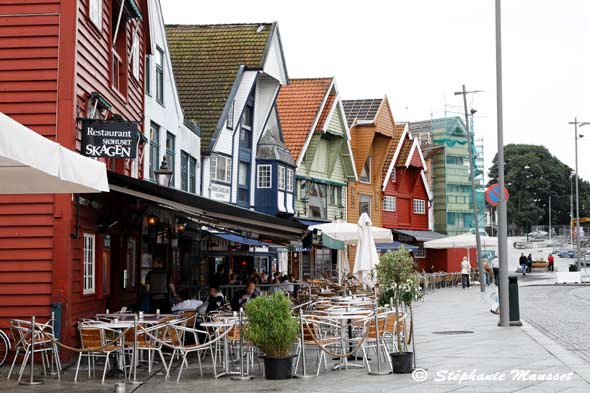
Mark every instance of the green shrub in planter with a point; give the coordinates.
(271, 328)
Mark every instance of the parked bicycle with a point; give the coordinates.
(4, 347)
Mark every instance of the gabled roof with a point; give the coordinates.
(361, 111)
(270, 147)
(299, 104)
(404, 152)
(206, 61)
(326, 111)
(450, 124)
(398, 132)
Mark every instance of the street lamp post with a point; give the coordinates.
(482, 283)
(577, 124)
(571, 206)
(164, 174)
(502, 217)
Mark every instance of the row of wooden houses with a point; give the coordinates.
(249, 157)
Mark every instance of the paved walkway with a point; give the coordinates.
(488, 352)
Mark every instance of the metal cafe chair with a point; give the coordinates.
(43, 344)
(318, 333)
(95, 345)
(376, 332)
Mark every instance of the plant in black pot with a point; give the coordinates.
(398, 284)
(273, 330)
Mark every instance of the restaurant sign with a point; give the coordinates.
(111, 139)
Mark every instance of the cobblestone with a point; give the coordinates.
(562, 312)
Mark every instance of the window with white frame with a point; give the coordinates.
(419, 206)
(89, 264)
(289, 180)
(95, 13)
(420, 253)
(264, 176)
(135, 53)
(221, 168)
(281, 177)
(160, 76)
(389, 203)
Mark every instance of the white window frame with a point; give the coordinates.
(266, 176)
(213, 168)
(89, 264)
(290, 180)
(95, 13)
(135, 53)
(420, 253)
(419, 206)
(391, 206)
(282, 178)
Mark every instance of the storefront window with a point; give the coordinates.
(323, 263)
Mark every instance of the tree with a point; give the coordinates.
(532, 175)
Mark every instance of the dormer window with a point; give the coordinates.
(282, 177)
(393, 176)
(366, 172)
(247, 125)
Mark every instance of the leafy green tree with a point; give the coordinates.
(532, 175)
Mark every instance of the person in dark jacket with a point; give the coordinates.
(216, 299)
(529, 262)
(522, 261)
(242, 297)
(159, 286)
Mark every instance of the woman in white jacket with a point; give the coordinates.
(465, 271)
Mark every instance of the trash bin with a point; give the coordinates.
(513, 301)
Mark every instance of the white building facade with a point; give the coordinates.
(168, 133)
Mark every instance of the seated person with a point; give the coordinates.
(184, 302)
(216, 299)
(242, 297)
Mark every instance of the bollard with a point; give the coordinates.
(119, 387)
(242, 377)
(303, 348)
(379, 371)
(31, 380)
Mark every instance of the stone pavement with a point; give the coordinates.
(487, 352)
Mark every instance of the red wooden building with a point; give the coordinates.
(61, 60)
(406, 195)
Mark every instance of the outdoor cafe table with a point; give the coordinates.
(123, 322)
(227, 322)
(346, 315)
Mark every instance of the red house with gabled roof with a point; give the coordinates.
(406, 195)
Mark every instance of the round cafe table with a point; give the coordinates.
(225, 323)
(346, 315)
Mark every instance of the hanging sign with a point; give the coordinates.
(110, 138)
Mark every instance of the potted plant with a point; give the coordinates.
(398, 284)
(273, 330)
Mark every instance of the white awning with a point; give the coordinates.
(33, 164)
(466, 240)
(349, 233)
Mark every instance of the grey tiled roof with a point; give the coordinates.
(270, 147)
(361, 110)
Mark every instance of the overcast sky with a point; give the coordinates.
(419, 52)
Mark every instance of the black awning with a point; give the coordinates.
(420, 236)
(208, 212)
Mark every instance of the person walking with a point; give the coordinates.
(550, 266)
(529, 263)
(488, 273)
(523, 261)
(496, 269)
(465, 271)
